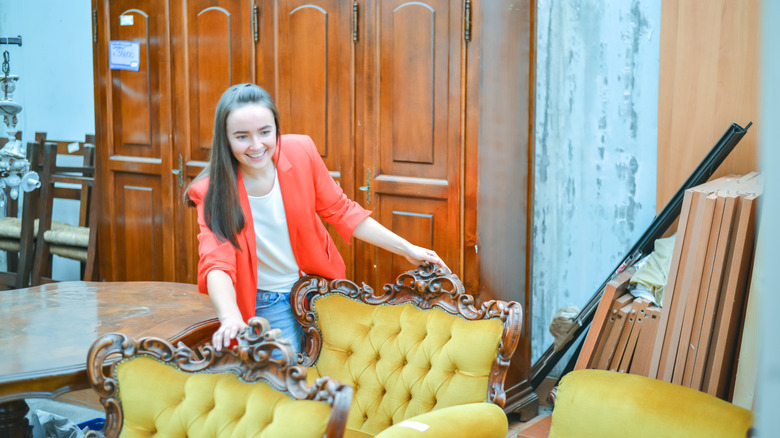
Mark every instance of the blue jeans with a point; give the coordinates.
(275, 307)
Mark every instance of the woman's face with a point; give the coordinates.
(251, 132)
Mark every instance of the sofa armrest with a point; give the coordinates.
(598, 403)
(473, 420)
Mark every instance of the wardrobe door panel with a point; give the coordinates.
(412, 145)
(134, 156)
(314, 88)
(139, 204)
(135, 111)
(219, 48)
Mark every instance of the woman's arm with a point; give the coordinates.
(373, 232)
(223, 296)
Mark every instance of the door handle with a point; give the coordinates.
(367, 188)
(180, 172)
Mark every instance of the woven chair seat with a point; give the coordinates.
(65, 240)
(9, 245)
(68, 236)
(69, 252)
(12, 227)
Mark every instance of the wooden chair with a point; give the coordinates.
(17, 234)
(419, 354)
(77, 242)
(149, 387)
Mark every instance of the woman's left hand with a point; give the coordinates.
(418, 255)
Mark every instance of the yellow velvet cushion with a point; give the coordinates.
(473, 420)
(403, 361)
(604, 404)
(159, 399)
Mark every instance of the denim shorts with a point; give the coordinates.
(275, 307)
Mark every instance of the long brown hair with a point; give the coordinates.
(221, 206)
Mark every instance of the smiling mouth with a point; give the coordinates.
(258, 155)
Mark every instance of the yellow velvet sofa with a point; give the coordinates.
(422, 358)
(607, 404)
(155, 389)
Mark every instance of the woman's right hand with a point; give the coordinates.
(223, 296)
(228, 330)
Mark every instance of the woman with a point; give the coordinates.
(259, 204)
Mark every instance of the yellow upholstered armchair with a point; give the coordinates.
(607, 404)
(422, 359)
(153, 388)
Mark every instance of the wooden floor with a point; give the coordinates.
(543, 391)
(516, 426)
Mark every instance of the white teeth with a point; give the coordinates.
(257, 155)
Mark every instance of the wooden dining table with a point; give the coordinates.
(46, 331)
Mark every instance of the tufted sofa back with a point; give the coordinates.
(159, 399)
(418, 346)
(254, 389)
(403, 361)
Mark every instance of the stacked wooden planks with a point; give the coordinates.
(692, 339)
(622, 332)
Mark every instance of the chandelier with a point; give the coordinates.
(15, 173)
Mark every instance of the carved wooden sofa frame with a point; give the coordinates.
(252, 360)
(425, 288)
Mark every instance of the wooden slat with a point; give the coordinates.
(659, 366)
(640, 364)
(704, 224)
(728, 321)
(625, 334)
(702, 293)
(676, 310)
(630, 351)
(621, 333)
(610, 348)
(668, 299)
(716, 281)
(612, 291)
(617, 304)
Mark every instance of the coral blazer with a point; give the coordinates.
(308, 193)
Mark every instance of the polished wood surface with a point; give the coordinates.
(708, 78)
(410, 106)
(505, 177)
(46, 331)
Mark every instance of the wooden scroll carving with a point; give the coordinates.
(425, 287)
(252, 360)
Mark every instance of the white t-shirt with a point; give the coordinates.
(277, 269)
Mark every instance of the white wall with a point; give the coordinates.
(595, 151)
(55, 86)
(768, 391)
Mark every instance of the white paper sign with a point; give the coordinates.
(124, 55)
(125, 20)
